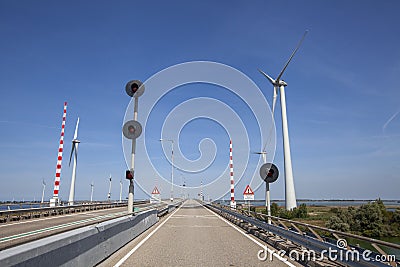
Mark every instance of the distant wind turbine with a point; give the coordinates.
(44, 187)
(91, 191)
(120, 190)
(290, 195)
(75, 143)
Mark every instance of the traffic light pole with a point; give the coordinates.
(132, 130)
(267, 196)
(269, 173)
(268, 202)
(131, 185)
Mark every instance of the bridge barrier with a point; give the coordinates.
(85, 246)
(309, 242)
(20, 214)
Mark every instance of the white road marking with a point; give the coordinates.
(192, 226)
(252, 239)
(121, 261)
(195, 216)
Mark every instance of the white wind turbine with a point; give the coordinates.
(43, 188)
(91, 192)
(75, 143)
(120, 191)
(290, 195)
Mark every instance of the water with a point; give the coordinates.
(328, 203)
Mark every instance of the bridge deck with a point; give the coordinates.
(192, 236)
(15, 233)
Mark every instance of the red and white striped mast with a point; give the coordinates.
(55, 200)
(233, 203)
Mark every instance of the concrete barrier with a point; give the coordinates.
(85, 246)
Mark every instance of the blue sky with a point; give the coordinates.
(343, 95)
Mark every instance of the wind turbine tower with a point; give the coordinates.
(44, 187)
(75, 143)
(91, 191)
(290, 195)
(120, 191)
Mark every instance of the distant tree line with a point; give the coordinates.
(371, 220)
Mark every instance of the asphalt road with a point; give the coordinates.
(193, 236)
(15, 233)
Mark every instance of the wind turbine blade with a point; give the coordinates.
(294, 52)
(274, 100)
(268, 77)
(76, 129)
(72, 151)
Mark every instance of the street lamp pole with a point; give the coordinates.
(172, 166)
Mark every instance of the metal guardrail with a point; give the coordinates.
(312, 242)
(20, 214)
(335, 233)
(159, 209)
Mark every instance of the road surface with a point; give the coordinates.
(15, 233)
(194, 236)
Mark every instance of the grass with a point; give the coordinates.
(318, 215)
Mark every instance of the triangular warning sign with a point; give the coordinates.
(155, 191)
(248, 191)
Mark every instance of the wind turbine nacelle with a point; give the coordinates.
(269, 172)
(282, 83)
(132, 129)
(134, 88)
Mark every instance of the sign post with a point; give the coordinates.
(155, 196)
(248, 195)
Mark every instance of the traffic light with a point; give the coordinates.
(269, 172)
(132, 129)
(134, 88)
(128, 175)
